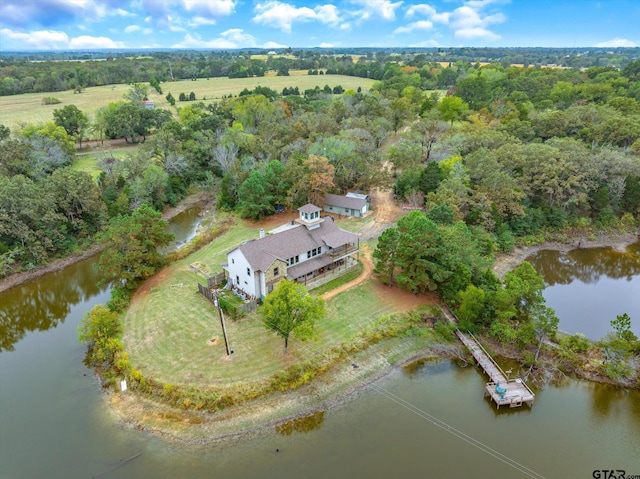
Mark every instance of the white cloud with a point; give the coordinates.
(54, 40)
(469, 22)
(425, 44)
(210, 8)
(282, 15)
(327, 14)
(328, 45)
(199, 21)
(232, 38)
(420, 25)
(422, 9)
(476, 32)
(616, 42)
(345, 27)
(376, 8)
(39, 40)
(131, 28)
(123, 13)
(86, 41)
(274, 45)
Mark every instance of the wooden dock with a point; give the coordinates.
(501, 389)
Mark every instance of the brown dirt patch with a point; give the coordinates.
(273, 221)
(404, 300)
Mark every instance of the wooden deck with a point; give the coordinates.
(501, 389)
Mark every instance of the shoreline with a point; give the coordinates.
(508, 261)
(59, 264)
(334, 388)
(259, 416)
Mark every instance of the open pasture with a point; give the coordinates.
(16, 110)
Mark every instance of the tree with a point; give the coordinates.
(430, 132)
(73, 120)
(170, 98)
(290, 309)
(132, 243)
(255, 202)
(317, 180)
(472, 304)
(622, 327)
(137, 93)
(99, 329)
(4, 132)
(419, 246)
(452, 108)
(384, 254)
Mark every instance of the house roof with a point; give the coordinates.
(354, 194)
(345, 202)
(308, 208)
(261, 253)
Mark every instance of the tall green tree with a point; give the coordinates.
(452, 108)
(385, 254)
(255, 201)
(73, 120)
(132, 243)
(419, 248)
(290, 309)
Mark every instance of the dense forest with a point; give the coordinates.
(508, 151)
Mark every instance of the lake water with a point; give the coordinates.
(53, 423)
(591, 286)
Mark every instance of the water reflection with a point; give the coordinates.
(44, 303)
(308, 423)
(590, 287)
(587, 265)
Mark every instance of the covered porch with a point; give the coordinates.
(321, 272)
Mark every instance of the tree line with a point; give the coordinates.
(508, 151)
(53, 72)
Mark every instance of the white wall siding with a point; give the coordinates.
(238, 266)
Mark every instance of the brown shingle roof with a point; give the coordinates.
(261, 253)
(345, 202)
(309, 208)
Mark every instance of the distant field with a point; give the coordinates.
(28, 108)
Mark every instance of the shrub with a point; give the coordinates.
(99, 330)
(50, 100)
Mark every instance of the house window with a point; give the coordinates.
(233, 261)
(276, 271)
(293, 260)
(237, 279)
(248, 272)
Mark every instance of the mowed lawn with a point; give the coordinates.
(169, 327)
(88, 162)
(16, 110)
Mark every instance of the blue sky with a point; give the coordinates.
(273, 24)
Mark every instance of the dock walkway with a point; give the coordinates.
(502, 390)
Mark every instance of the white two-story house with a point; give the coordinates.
(306, 248)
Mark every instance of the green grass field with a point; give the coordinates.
(28, 108)
(169, 326)
(88, 162)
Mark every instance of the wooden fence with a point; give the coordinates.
(237, 310)
(216, 280)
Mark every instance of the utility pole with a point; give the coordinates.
(224, 330)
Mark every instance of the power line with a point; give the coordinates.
(438, 422)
